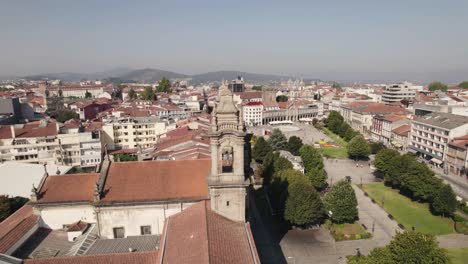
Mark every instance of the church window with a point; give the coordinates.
(145, 230)
(227, 203)
(227, 160)
(119, 232)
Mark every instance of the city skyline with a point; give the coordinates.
(396, 40)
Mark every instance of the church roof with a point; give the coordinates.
(157, 181)
(68, 188)
(207, 237)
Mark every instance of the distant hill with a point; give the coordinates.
(150, 75)
(231, 75)
(154, 75)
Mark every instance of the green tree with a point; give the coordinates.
(317, 178)
(60, 93)
(358, 147)
(88, 94)
(4, 207)
(277, 140)
(132, 94)
(342, 202)
(303, 205)
(125, 157)
(384, 160)
(463, 85)
(334, 121)
(164, 86)
(47, 93)
(261, 149)
(281, 98)
(148, 94)
(293, 145)
(409, 247)
(444, 202)
(65, 114)
(281, 163)
(434, 86)
(311, 158)
(376, 147)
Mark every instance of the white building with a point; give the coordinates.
(133, 132)
(393, 94)
(253, 113)
(431, 133)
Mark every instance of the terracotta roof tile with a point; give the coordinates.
(207, 237)
(68, 188)
(402, 130)
(156, 180)
(16, 226)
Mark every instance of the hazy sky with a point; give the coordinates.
(194, 36)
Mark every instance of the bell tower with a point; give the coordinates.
(227, 183)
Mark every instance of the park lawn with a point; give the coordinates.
(334, 153)
(407, 212)
(335, 137)
(458, 255)
(347, 231)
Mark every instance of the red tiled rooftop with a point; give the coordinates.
(30, 130)
(16, 226)
(207, 237)
(253, 103)
(68, 188)
(402, 130)
(156, 181)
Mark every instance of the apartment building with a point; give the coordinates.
(400, 137)
(253, 113)
(457, 156)
(431, 134)
(382, 126)
(393, 94)
(133, 132)
(47, 141)
(359, 115)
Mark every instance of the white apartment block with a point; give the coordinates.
(253, 113)
(133, 132)
(46, 142)
(431, 133)
(394, 93)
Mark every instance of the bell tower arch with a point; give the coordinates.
(227, 183)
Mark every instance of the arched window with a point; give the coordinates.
(227, 160)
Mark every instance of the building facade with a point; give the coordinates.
(395, 93)
(431, 134)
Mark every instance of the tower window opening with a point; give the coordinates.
(227, 158)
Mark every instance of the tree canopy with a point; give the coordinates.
(64, 115)
(342, 202)
(132, 94)
(376, 147)
(358, 147)
(277, 140)
(294, 144)
(463, 85)
(260, 149)
(88, 94)
(164, 86)
(311, 158)
(281, 98)
(444, 202)
(409, 247)
(148, 94)
(9, 205)
(317, 178)
(303, 205)
(434, 86)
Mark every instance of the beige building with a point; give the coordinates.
(431, 133)
(133, 132)
(395, 93)
(457, 156)
(47, 141)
